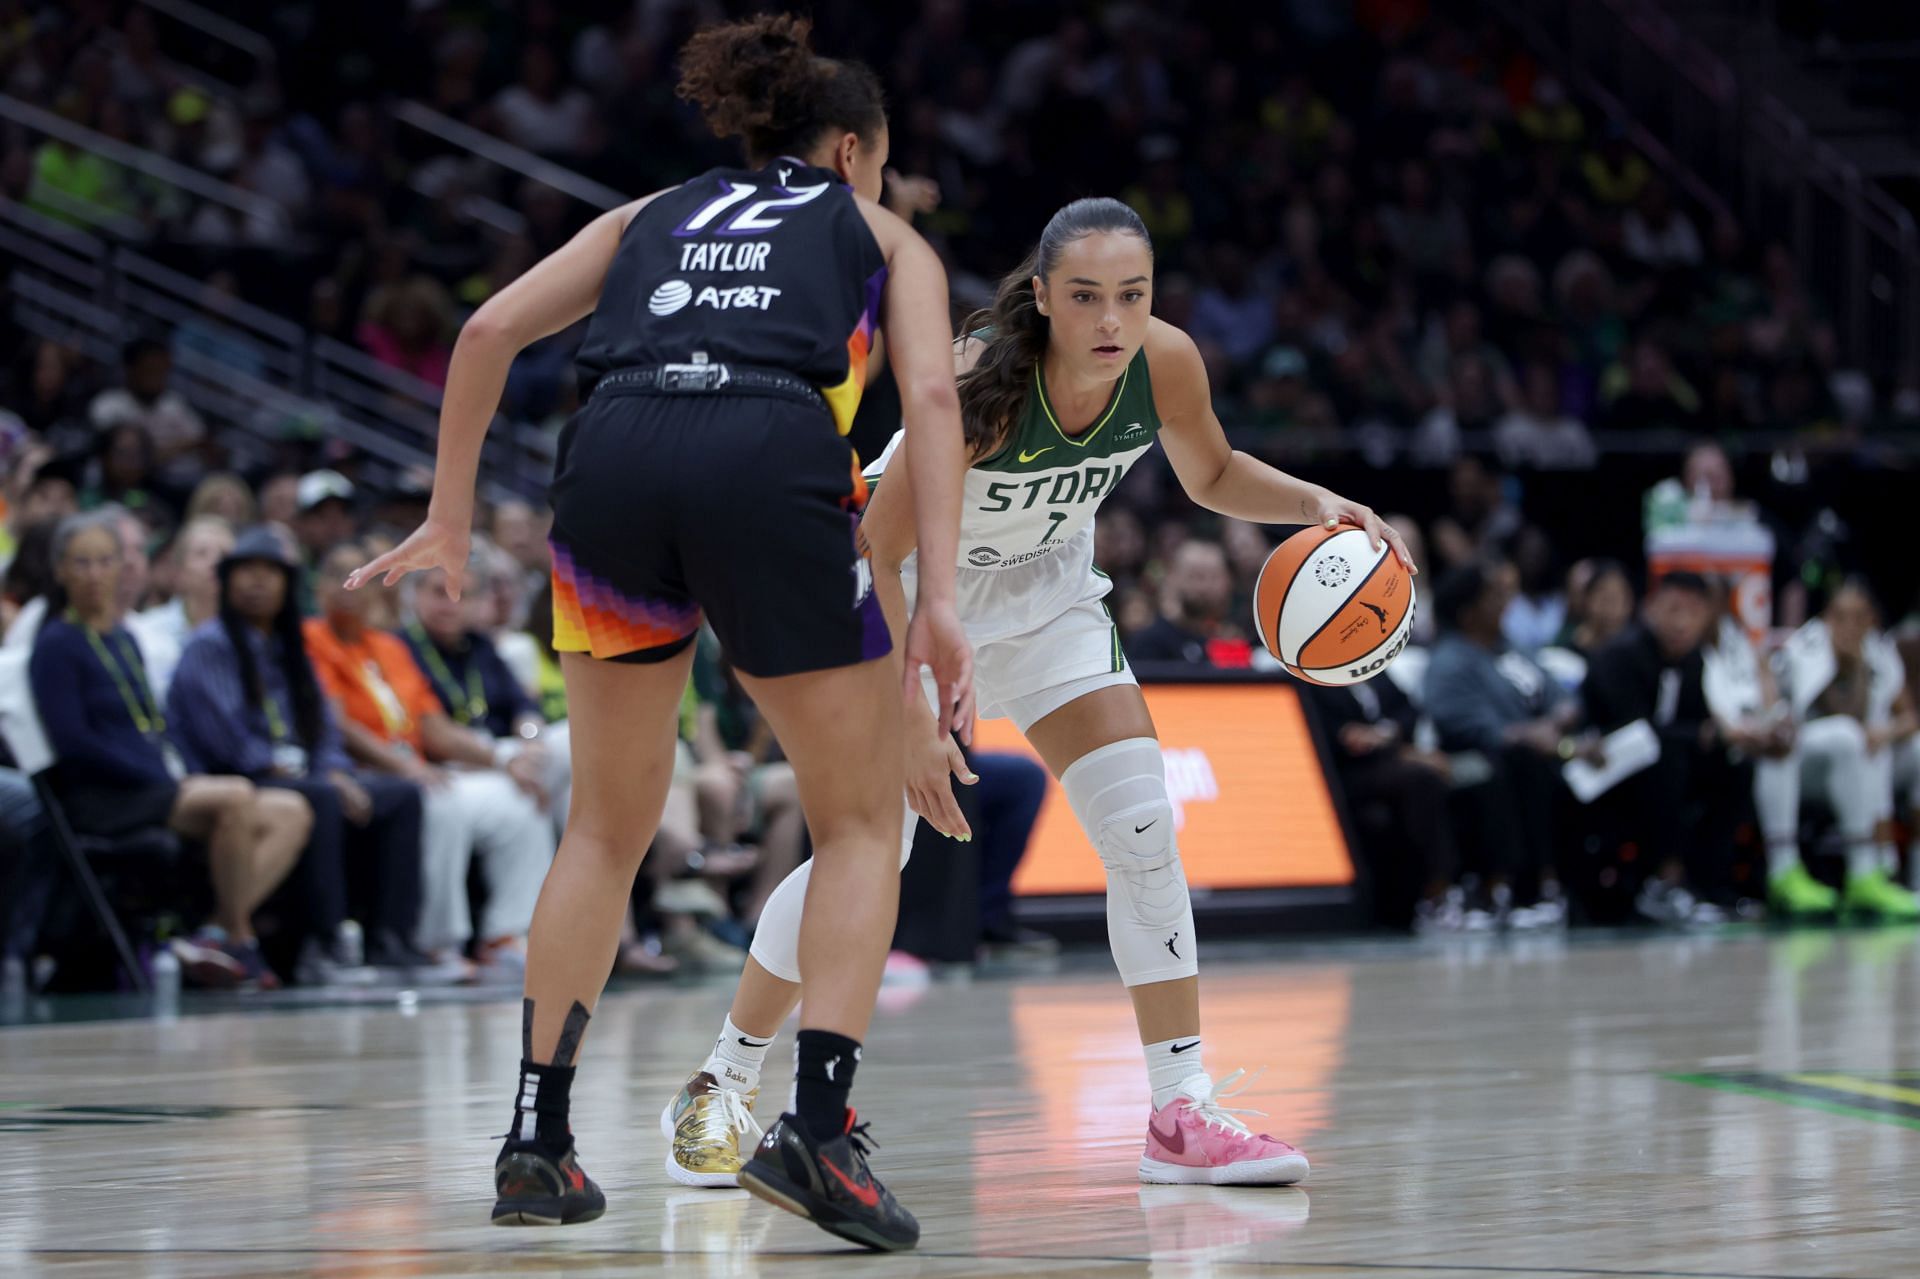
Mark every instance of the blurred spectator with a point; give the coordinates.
(1199, 592)
(1599, 606)
(1645, 392)
(1538, 610)
(28, 872)
(196, 553)
(1007, 798)
(30, 580)
(1478, 518)
(48, 388)
(476, 690)
(541, 114)
(1658, 235)
(1398, 791)
(118, 771)
(1857, 741)
(409, 326)
(123, 470)
(146, 399)
(223, 496)
(246, 702)
(1538, 434)
(280, 501)
(324, 505)
(394, 724)
(1686, 807)
(1485, 698)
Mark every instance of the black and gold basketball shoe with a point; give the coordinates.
(829, 1183)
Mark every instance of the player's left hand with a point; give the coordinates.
(432, 545)
(1332, 510)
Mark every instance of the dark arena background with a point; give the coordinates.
(1581, 942)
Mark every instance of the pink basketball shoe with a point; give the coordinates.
(1198, 1141)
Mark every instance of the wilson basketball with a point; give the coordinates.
(1331, 608)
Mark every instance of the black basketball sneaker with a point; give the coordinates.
(828, 1183)
(538, 1189)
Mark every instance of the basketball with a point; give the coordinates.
(1332, 608)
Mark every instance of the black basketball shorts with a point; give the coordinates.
(741, 506)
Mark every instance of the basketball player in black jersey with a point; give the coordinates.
(708, 473)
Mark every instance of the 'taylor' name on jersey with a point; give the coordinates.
(724, 257)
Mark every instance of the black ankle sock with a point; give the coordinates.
(823, 1075)
(544, 1091)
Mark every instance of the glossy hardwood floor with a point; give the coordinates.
(1738, 1106)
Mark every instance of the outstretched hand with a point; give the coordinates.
(432, 545)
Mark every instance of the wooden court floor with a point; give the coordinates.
(1729, 1107)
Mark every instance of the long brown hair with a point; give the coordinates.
(993, 393)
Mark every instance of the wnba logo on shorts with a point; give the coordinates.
(862, 580)
(670, 297)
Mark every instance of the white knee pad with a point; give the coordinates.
(1119, 793)
(776, 942)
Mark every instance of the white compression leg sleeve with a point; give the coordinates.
(1119, 793)
(776, 943)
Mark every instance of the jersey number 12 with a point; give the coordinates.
(753, 219)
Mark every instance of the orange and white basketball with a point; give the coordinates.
(1331, 608)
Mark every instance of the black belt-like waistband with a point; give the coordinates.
(707, 379)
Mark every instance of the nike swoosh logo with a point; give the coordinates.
(749, 1043)
(868, 1195)
(1141, 830)
(1028, 457)
(1180, 1048)
(1175, 1141)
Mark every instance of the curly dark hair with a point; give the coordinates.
(759, 79)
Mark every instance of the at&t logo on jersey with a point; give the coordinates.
(670, 297)
(675, 294)
(754, 296)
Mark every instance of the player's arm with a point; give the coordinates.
(1220, 477)
(559, 290)
(916, 320)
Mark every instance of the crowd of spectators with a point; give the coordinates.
(1394, 235)
(1389, 219)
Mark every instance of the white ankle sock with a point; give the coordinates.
(1782, 857)
(736, 1058)
(1171, 1063)
(1863, 858)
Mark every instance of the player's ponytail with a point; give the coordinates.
(759, 79)
(993, 393)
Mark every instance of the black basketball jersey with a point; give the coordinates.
(774, 267)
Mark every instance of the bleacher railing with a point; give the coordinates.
(1857, 248)
(248, 370)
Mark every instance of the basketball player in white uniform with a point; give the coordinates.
(1064, 386)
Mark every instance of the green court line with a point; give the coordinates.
(1810, 1103)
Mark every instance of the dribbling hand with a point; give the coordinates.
(432, 545)
(936, 640)
(1332, 510)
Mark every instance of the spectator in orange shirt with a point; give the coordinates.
(393, 723)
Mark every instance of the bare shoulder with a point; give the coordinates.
(1179, 374)
(890, 231)
(626, 213)
(1169, 349)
